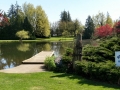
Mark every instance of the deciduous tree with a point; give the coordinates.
(103, 31)
(117, 27)
(22, 34)
(3, 19)
(99, 19)
(78, 27)
(109, 20)
(42, 23)
(29, 11)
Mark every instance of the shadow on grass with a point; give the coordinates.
(83, 81)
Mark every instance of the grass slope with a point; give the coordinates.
(50, 81)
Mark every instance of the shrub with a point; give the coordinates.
(69, 52)
(105, 51)
(50, 63)
(67, 59)
(66, 62)
(103, 71)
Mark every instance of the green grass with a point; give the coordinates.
(40, 40)
(56, 39)
(50, 81)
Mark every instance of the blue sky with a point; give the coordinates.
(79, 9)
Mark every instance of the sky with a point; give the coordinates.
(78, 9)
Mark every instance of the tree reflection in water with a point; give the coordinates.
(12, 54)
(23, 47)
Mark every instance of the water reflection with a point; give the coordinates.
(23, 47)
(12, 54)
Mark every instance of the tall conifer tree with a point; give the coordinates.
(89, 28)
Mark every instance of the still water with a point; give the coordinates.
(12, 54)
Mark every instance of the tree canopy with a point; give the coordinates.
(22, 34)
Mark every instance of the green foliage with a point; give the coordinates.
(99, 19)
(65, 34)
(65, 16)
(16, 18)
(104, 71)
(22, 34)
(50, 63)
(105, 50)
(66, 59)
(69, 52)
(29, 12)
(28, 27)
(99, 62)
(109, 20)
(89, 28)
(65, 64)
(42, 23)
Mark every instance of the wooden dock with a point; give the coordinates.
(39, 58)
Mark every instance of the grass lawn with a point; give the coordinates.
(50, 81)
(56, 39)
(41, 39)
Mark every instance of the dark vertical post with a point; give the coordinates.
(77, 53)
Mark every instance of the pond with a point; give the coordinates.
(12, 54)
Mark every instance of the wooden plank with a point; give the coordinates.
(38, 58)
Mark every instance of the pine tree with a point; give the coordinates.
(68, 17)
(28, 27)
(16, 17)
(64, 16)
(89, 28)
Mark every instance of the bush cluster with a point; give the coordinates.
(103, 71)
(105, 51)
(49, 63)
(99, 62)
(63, 64)
(66, 62)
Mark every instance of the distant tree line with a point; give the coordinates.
(35, 21)
(28, 18)
(96, 26)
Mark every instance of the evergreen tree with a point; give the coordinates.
(65, 16)
(68, 17)
(15, 16)
(65, 24)
(89, 28)
(27, 26)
